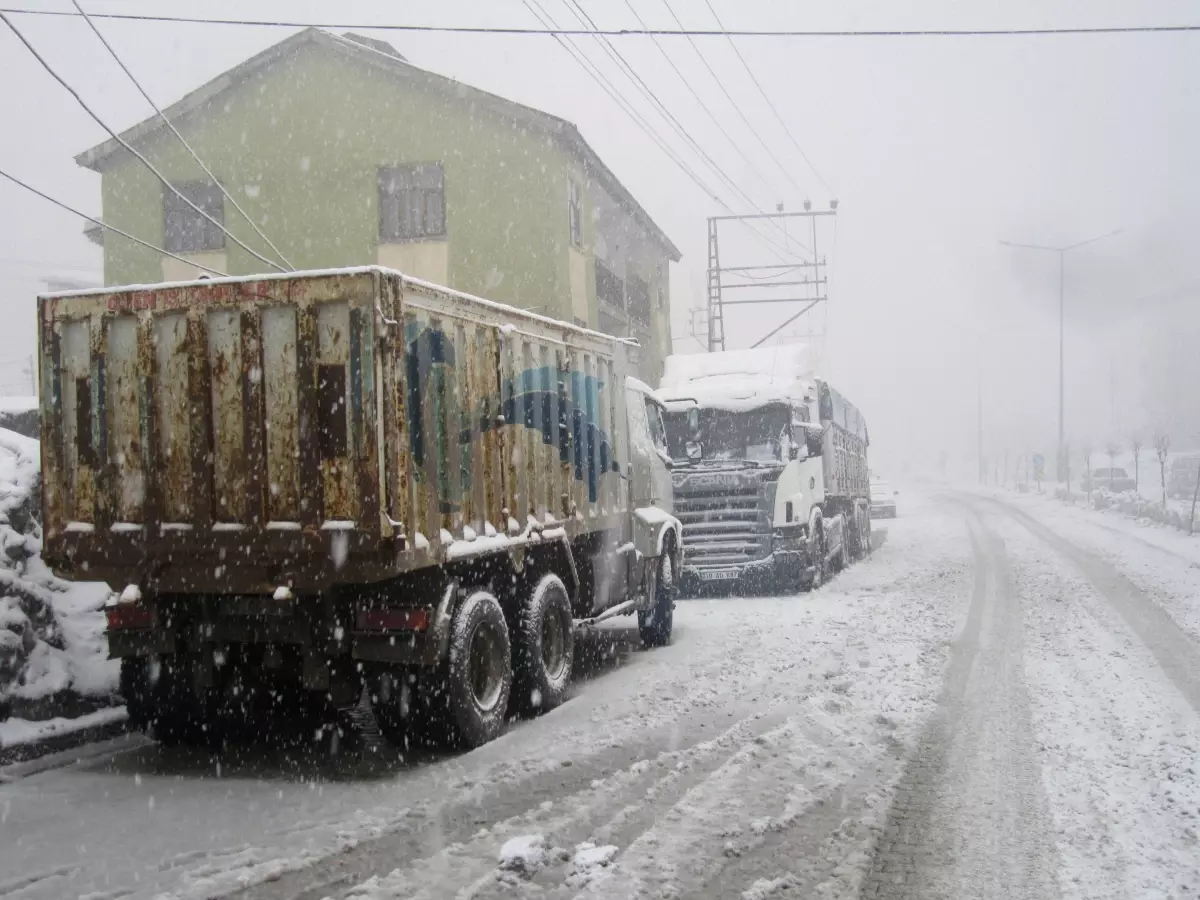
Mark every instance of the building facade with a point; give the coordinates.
(344, 154)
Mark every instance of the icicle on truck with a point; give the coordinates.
(771, 478)
(304, 487)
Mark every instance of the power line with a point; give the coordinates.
(640, 32)
(609, 88)
(46, 65)
(699, 99)
(763, 92)
(627, 69)
(124, 234)
(175, 132)
(736, 106)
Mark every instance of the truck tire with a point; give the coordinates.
(478, 672)
(543, 647)
(819, 567)
(655, 623)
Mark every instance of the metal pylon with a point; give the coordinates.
(716, 321)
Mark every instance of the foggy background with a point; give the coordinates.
(936, 148)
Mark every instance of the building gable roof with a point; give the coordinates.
(354, 47)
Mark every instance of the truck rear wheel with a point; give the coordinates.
(655, 623)
(543, 647)
(479, 671)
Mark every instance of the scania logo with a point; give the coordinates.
(715, 481)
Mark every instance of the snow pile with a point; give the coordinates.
(524, 854)
(589, 863)
(740, 379)
(51, 631)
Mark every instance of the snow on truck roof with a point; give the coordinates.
(739, 379)
(503, 308)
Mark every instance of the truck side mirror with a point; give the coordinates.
(693, 420)
(694, 450)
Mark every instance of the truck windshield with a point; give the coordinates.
(757, 435)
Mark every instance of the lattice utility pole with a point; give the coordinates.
(716, 323)
(758, 277)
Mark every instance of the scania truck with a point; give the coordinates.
(771, 477)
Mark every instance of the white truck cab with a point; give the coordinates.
(770, 469)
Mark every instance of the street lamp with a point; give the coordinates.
(1063, 468)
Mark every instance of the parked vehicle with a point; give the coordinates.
(305, 487)
(1181, 477)
(770, 469)
(883, 499)
(1114, 479)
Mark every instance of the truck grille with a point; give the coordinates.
(722, 526)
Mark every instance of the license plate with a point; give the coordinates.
(719, 575)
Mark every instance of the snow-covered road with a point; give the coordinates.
(1003, 701)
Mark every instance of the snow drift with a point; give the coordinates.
(51, 631)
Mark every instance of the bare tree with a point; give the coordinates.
(1162, 444)
(1135, 444)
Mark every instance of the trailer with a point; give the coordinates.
(771, 477)
(321, 489)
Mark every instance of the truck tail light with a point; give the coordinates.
(393, 620)
(129, 615)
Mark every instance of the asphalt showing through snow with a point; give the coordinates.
(988, 707)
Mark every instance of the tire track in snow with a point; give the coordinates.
(1176, 653)
(591, 789)
(969, 817)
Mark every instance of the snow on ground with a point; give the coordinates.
(694, 768)
(51, 631)
(1118, 743)
(1162, 561)
(24, 731)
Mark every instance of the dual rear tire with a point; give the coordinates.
(488, 672)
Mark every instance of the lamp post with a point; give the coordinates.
(1063, 470)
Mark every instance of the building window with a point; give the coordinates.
(610, 289)
(186, 231)
(638, 301)
(575, 212)
(662, 299)
(612, 325)
(412, 202)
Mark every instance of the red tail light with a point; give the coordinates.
(393, 620)
(129, 615)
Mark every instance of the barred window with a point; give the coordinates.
(187, 231)
(412, 202)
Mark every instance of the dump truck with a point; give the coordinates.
(771, 477)
(344, 490)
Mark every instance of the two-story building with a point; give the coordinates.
(343, 153)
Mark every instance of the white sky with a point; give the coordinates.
(937, 148)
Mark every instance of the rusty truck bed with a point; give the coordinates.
(234, 435)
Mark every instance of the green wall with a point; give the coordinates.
(308, 135)
(299, 144)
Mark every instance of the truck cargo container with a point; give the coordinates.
(321, 488)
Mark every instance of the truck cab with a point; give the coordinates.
(769, 470)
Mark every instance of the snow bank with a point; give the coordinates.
(24, 731)
(739, 379)
(524, 853)
(51, 631)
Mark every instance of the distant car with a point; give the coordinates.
(1181, 479)
(883, 500)
(1114, 479)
